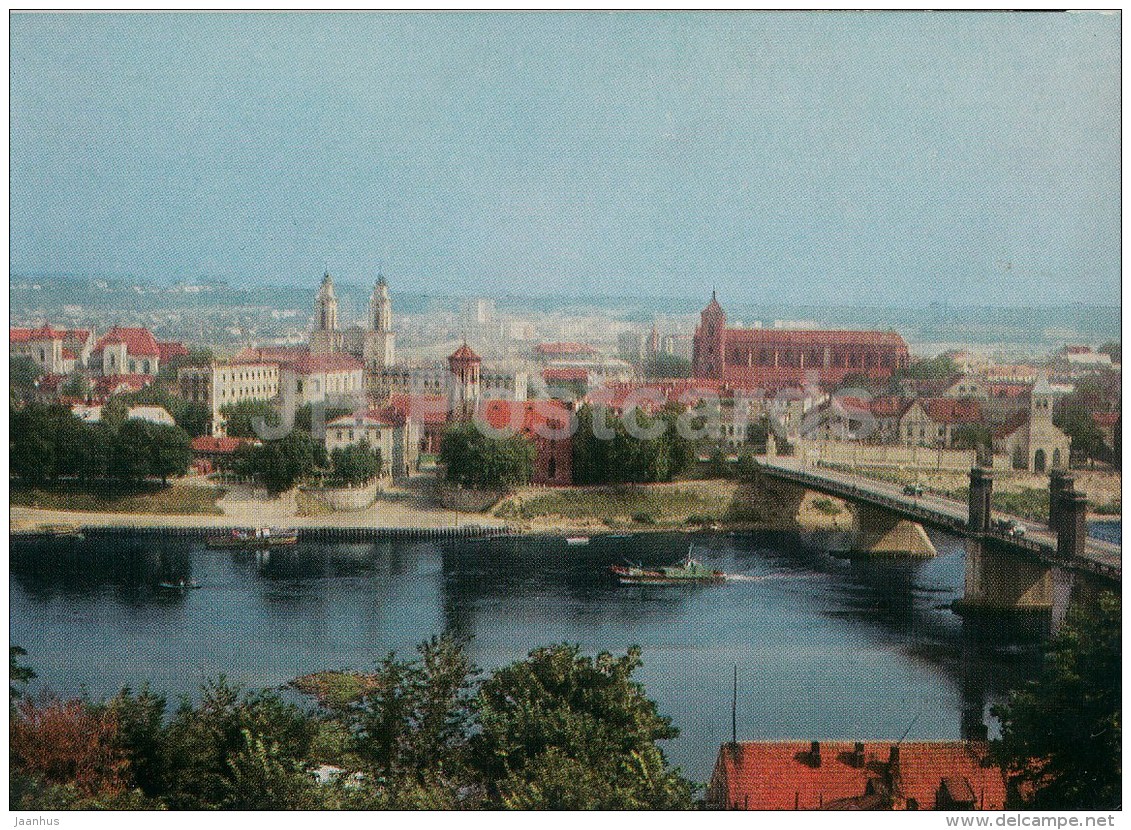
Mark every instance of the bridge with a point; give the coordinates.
(1004, 568)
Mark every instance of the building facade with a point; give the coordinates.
(221, 384)
(770, 358)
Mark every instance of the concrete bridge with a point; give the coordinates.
(1004, 570)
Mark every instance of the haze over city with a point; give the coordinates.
(832, 158)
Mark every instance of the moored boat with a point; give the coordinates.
(689, 570)
(180, 585)
(261, 537)
(577, 540)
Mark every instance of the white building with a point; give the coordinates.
(336, 380)
(221, 384)
(396, 437)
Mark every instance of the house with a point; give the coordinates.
(544, 422)
(126, 350)
(395, 435)
(169, 349)
(44, 345)
(935, 422)
(334, 379)
(844, 775)
(1030, 438)
(429, 411)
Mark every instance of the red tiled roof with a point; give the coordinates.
(565, 375)
(464, 352)
(564, 348)
(44, 332)
(1077, 349)
(782, 775)
(170, 348)
(526, 417)
(209, 444)
(312, 363)
(814, 337)
(68, 354)
(78, 335)
(616, 394)
(1105, 419)
(17, 335)
(273, 354)
(953, 411)
(1011, 425)
(428, 409)
(139, 341)
(890, 407)
(110, 384)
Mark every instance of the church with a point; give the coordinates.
(374, 343)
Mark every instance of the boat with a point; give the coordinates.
(180, 585)
(689, 570)
(261, 537)
(49, 532)
(577, 540)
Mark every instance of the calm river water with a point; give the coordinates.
(825, 648)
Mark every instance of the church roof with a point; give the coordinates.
(464, 352)
(139, 341)
(714, 304)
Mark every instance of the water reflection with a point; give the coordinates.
(825, 647)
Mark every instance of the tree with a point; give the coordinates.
(1114, 349)
(75, 386)
(485, 462)
(1072, 416)
(563, 731)
(170, 451)
(23, 373)
(130, 451)
(1061, 734)
(664, 365)
(31, 444)
(239, 417)
(625, 457)
(279, 464)
(930, 368)
(19, 675)
(356, 463)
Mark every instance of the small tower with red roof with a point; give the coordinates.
(709, 341)
(463, 383)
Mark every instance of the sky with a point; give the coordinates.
(859, 158)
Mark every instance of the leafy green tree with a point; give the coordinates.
(930, 368)
(238, 417)
(1061, 734)
(129, 451)
(1114, 349)
(23, 372)
(76, 386)
(356, 463)
(114, 412)
(279, 464)
(563, 731)
(19, 675)
(1073, 417)
(31, 444)
(625, 457)
(170, 451)
(663, 365)
(486, 462)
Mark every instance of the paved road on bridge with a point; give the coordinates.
(1102, 556)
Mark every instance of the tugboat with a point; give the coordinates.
(688, 571)
(262, 537)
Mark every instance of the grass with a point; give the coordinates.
(115, 497)
(336, 689)
(309, 504)
(826, 506)
(624, 504)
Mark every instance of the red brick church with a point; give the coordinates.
(771, 358)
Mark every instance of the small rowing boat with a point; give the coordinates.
(180, 585)
(262, 537)
(577, 540)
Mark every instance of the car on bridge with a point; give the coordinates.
(1010, 527)
(915, 490)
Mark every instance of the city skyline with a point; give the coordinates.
(786, 158)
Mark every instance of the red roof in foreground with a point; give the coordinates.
(139, 341)
(783, 775)
(208, 444)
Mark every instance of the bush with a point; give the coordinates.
(644, 518)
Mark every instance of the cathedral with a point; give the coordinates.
(374, 343)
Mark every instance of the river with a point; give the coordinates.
(825, 648)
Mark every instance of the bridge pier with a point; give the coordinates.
(882, 533)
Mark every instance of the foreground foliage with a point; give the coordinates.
(558, 730)
(1062, 733)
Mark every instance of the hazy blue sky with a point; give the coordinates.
(826, 157)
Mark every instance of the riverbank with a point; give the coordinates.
(533, 510)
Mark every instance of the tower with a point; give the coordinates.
(325, 338)
(463, 383)
(709, 341)
(379, 344)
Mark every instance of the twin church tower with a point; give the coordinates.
(374, 343)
